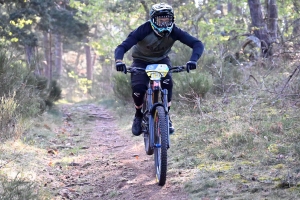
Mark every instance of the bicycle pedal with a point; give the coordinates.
(157, 145)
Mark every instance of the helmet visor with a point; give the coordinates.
(163, 21)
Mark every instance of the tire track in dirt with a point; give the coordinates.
(113, 166)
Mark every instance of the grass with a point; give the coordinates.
(47, 145)
(19, 188)
(237, 154)
(243, 145)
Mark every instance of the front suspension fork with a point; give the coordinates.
(151, 108)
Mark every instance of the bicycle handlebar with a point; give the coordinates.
(175, 69)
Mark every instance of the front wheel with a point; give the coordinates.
(161, 145)
(145, 125)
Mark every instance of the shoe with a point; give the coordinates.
(137, 126)
(171, 128)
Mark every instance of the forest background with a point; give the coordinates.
(238, 110)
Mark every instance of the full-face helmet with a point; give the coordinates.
(162, 19)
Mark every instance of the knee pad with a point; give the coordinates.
(138, 93)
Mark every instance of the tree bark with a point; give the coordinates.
(296, 22)
(30, 52)
(58, 55)
(144, 4)
(296, 27)
(296, 4)
(88, 55)
(273, 17)
(258, 24)
(50, 60)
(47, 54)
(229, 6)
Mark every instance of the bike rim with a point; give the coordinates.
(157, 140)
(158, 165)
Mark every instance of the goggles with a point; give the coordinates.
(163, 21)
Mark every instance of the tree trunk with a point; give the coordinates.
(296, 27)
(296, 4)
(273, 17)
(29, 52)
(50, 60)
(296, 22)
(58, 55)
(94, 58)
(144, 4)
(229, 6)
(47, 54)
(89, 67)
(259, 26)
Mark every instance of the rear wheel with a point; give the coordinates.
(161, 145)
(145, 126)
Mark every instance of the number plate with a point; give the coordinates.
(156, 71)
(155, 76)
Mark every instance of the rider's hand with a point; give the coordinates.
(121, 67)
(191, 65)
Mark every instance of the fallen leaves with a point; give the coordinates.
(52, 151)
(47, 127)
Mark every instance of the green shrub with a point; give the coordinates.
(226, 77)
(8, 116)
(53, 93)
(23, 94)
(17, 188)
(122, 86)
(207, 60)
(192, 85)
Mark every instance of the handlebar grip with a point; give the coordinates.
(178, 69)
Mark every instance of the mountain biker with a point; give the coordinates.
(151, 42)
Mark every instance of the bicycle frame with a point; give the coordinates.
(153, 94)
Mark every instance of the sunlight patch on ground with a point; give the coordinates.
(15, 154)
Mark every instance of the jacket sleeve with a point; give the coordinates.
(190, 41)
(133, 38)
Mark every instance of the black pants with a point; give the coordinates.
(140, 81)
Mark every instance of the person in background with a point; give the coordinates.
(151, 43)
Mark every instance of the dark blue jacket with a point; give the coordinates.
(149, 47)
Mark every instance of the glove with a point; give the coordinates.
(191, 65)
(121, 67)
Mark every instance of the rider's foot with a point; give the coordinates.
(137, 126)
(171, 128)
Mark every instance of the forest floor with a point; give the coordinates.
(93, 158)
(87, 151)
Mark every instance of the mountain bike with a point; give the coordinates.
(155, 123)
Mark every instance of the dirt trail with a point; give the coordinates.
(111, 165)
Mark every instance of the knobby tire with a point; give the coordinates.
(161, 138)
(148, 149)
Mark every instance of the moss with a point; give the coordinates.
(264, 178)
(277, 179)
(217, 166)
(245, 181)
(273, 148)
(247, 162)
(236, 176)
(279, 166)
